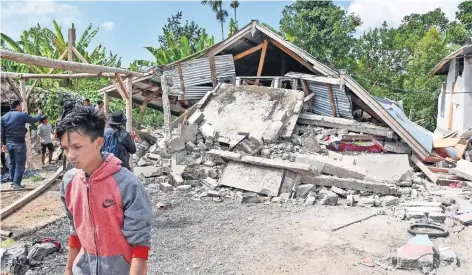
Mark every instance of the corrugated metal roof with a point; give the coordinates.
(322, 102)
(422, 135)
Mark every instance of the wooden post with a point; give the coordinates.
(331, 100)
(71, 45)
(451, 107)
(212, 71)
(307, 93)
(181, 77)
(261, 61)
(106, 104)
(129, 113)
(166, 83)
(141, 112)
(24, 106)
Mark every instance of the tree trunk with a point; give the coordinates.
(235, 20)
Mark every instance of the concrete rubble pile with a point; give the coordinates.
(242, 142)
(19, 258)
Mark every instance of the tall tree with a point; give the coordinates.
(233, 27)
(178, 28)
(323, 29)
(221, 14)
(235, 5)
(464, 14)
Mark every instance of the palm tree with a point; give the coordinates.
(221, 14)
(235, 4)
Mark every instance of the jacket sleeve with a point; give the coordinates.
(31, 119)
(4, 138)
(66, 181)
(127, 142)
(137, 212)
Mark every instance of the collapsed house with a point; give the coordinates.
(261, 115)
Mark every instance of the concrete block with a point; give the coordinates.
(148, 171)
(177, 179)
(298, 107)
(189, 146)
(196, 117)
(465, 219)
(189, 132)
(310, 201)
(384, 166)
(366, 202)
(397, 147)
(447, 256)
(390, 201)
(210, 183)
(249, 145)
(328, 198)
(339, 191)
(280, 116)
(309, 141)
(249, 198)
(41, 250)
(184, 188)
(165, 187)
(154, 156)
(262, 180)
(207, 131)
(272, 132)
(176, 144)
(417, 253)
(202, 146)
(353, 184)
(303, 190)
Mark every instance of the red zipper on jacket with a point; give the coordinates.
(93, 223)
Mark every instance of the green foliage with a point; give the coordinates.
(464, 14)
(323, 29)
(233, 27)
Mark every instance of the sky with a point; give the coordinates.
(127, 27)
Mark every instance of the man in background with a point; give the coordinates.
(13, 140)
(87, 104)
(45, 135)
(100, 106)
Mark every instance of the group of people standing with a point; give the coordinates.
(13, 134)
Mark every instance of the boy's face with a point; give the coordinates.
(45, 122)
(80, 150)
(86, 103)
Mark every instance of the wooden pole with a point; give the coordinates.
(248, 52)
(71, 44)
(63, 65)
(166, 83)
(63, 55)
(24, 106)
(60, 76)
(331, 100)
(261, 61)
(141, 113)
(129, 113)
(81, 58)
(105, 104)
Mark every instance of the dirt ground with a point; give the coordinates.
(207, 237)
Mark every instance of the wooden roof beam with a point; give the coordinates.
(248, 52)
(63, 65)
(59, 76)
(293, 55)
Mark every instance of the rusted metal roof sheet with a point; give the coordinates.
(322, 103)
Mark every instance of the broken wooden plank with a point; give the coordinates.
(248, 52)
(348, 124)
(331, 101)
(30, 196)
(261, 61)
(181, 77)
(16, 190)
(424, 169)
(438, 169)
(310, 96)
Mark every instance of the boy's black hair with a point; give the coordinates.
(83, 120)
(43, 118)
(88, 100)
(99, 102)
(15, 104)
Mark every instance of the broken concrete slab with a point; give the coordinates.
(280, 116)
(390, 201)
(290, 127)
(463, 169)
(220, 156)
(249, 145)
(148, 171)
(196, 118)
(184, 188)
(189, 132)
(262, 180)
(210, 183)
(354, 184)
(447, 256)
(417, 253)
(176, 144)
(384, 166)
(165, 187)
(310, 201)
(189, 146)
(154, 156)
(303, 190)
(290, 182)
(231, 106)
(339, 191)
(272, 132)
(465, 219)
(309, 141)
(282, 164)
(347, 124)
(329, 166)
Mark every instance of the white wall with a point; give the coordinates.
(462, 100)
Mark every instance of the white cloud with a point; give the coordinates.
(17, 16)
(374, 12)
(108, 25)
